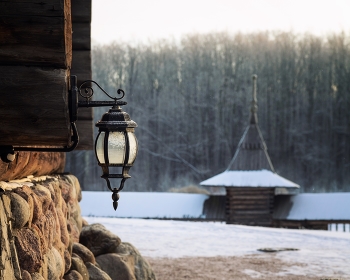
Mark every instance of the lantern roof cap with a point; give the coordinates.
(115, 118)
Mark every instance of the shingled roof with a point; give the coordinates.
(251, 153)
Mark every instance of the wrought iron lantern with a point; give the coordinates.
(116, 145)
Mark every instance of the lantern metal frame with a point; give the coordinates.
(7, 152)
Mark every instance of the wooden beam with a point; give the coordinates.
(34, 106)
(86, 135)
(35, 33)
(249, 202)
(81, 36)
(81, 11)
(309, 224)
(46, 8)
(81, 67)
(248, 197)
(32, 163)
(249, 190)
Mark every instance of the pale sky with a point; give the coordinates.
(141, 20)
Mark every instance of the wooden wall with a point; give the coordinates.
(307, 224)
(214, 208)
(81, 66)
(249, 206)
(36, 59)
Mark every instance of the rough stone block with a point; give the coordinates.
(98, 239)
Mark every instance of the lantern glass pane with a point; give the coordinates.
(100, 147)
(133, 147)
(116, 147)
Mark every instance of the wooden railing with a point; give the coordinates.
(344, 227)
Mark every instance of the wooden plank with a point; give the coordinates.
(86, 135)
(250, 207)
(257, 204)
(81, 36)
(250, 189)
(248, 201)
(38, 35)
(252, 195)
(252, 212)
(309, 224)
(44, 8)
(253, 189)
(81, 10)
(251, 219)
(249, 194)
(249, 197)
(245, 191)
(34, 108)
(250, 223)
(81, 67)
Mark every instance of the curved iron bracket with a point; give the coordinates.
(7, 153)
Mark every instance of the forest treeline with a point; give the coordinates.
(191, 102)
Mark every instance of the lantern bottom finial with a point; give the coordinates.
(115, 205)
(115, 197)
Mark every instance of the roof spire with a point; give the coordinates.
(254, 103)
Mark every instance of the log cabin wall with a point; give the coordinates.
(35, 62)
(250, 206)
(81, 66)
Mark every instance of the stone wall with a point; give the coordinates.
(43, 236)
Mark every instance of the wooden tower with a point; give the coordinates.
(250, 180)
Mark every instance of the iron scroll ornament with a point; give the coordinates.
(90, 91)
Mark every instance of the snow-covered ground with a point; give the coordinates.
(322, 252)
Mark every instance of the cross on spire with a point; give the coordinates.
(254, 103)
